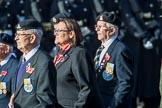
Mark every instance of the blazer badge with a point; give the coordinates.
(108, 72)
(28, 87)
(3, 88)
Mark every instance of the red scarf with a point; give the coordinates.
(60, 56)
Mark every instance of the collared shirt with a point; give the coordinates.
(6, 59)
(31, 53)
(106, 46)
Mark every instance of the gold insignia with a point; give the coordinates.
(29, 87)
(1, 85)
(26, 82)
(110, 68)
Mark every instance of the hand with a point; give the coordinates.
(11, 102)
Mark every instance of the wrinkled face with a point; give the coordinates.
(4, 50)
(104, 30)
(62, 34)
(23, 39)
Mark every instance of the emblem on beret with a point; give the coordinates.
(54, 19)
(18, 26)
(101, 18)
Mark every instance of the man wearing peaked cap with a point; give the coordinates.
(113, 63)
(8, 64)
(35, 76)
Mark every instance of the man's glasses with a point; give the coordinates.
(22, 35)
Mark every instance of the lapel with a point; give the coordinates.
(65, 58)
(32, 61)
(5, 68)
(109, 51)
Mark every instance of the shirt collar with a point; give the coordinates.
(109, 42)
(6, 59)
(31, 53)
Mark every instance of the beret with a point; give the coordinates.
(6, 39)
(61, 16)
(109, 17)
(29, 24)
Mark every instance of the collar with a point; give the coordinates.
(109, 42)
(31, 53)
(6, 59)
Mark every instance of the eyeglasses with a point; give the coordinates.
(99, 26)
(21, 35)
(57, 31)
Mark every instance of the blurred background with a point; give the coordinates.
(140, 24)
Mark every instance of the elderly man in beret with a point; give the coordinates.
(8, 63)
(35, 76)
(113, 63)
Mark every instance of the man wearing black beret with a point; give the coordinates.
(113, 63)
(8, 64)
(35, 76)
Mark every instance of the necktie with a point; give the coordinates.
(97, 57)
(21, 69)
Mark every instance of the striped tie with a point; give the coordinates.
(97, 57)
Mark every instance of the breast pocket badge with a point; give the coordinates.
(108, 73)
(28, 87)
(3, 88)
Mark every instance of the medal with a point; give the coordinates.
(110, 68)
(4, 91)
(1, 85)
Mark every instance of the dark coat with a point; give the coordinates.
(117, 89)
(76, 83)
(43, 82)
(10, 68)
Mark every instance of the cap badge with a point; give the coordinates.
(54, 20)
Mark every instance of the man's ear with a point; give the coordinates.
(32, 38)
(111, 31)
(7, 48)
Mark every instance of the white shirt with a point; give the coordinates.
(31, 53)
(106, 46)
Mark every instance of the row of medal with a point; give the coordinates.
(3, 89)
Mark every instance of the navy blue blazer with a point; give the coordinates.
(76, 81)
(10, 68)
(115, 75)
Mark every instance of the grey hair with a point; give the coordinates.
(37, 32)
(117, 30)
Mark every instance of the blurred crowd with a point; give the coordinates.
(140, 28)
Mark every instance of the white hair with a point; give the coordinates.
(37, 32)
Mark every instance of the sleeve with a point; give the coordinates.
(82, 69)
(124, 73)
